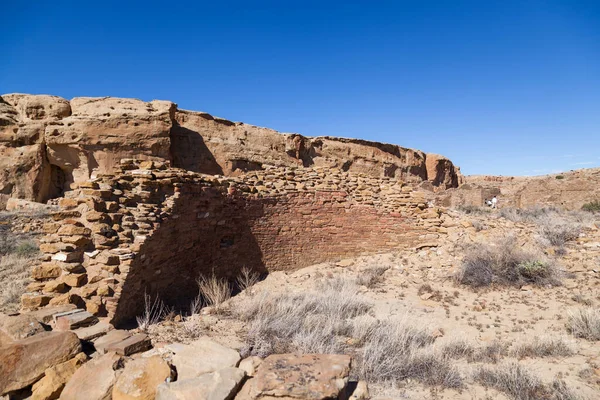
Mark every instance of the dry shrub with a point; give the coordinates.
(317, 321)
(518, 383)
(506, 264)
(214, 291)
(462, 348)
(584, 323)
(475, 210)
(592, 206)
(154, 312)
(371, 277)
(558, 231)
(14, 276)
(544, 346)
(514, 380)
(397, 350)
(247, 278)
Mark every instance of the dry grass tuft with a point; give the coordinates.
(247, 278)
(214, 291)
(514, 380)
(311, 322)
(544, 346)
(154, 312)
(506, 264)
(584, 323)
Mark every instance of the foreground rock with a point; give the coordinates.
(17, 327)
(201, 357)
(55, 379)
(219, 385)
(25, 361)
(94, 380)
(140, 378)
(288, 376)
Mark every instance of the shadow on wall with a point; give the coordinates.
(189, 152)
(207, 232)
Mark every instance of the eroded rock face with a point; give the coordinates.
(289, 376)
(48, 145)
(25, 361)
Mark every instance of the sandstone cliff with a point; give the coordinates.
(49, 144)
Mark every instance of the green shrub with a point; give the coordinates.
(26, 248)
(592, 206)
(559, 177)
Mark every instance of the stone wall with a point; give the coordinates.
(154, 230)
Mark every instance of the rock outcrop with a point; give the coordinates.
(48, 145)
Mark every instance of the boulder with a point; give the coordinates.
(94, 380)
(55, 379)
(140, 379)
(17, 327)
(289, 376)
(250, 365)
(201, 357)
(25, 361)
(219, 385)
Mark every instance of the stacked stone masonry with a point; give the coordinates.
(153, 230)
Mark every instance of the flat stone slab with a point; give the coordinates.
(112, 337)
(94, 331)
(75, 320)
(131, 345)
(46, 315)
(17, 327)
(202, 356)
(219, 385)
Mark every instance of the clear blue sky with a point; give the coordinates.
(500, 87)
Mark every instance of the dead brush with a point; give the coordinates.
(214, 291)
(246, 278)
(506, 264)
(154, 312)
(584, 323)
(371, 277)
(544, 346)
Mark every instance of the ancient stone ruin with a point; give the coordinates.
(153, 230)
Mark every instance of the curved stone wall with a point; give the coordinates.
(154, 230)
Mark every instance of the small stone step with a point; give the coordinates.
(94, 331)
(75, 320)
(131, 345)
(112, 337)
(46, 315)
(66, 312)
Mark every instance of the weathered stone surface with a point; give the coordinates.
(131, 345)
(24, 361)
(55, 379)
(46, 315)
(250, 365)
(140, 379)
(75, 320)
(94, 331)
(309, 376)
(111, 338)
(17, 327)
(94, 380)
(218, 385)
(202, 356)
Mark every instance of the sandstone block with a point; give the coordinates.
(218, 385)
(309, 376)
(112, 337)
(32, 301)
(74, 320)
(46, 271)
(74, 280)
(72, 230)
(94, 380)
(25, 361)
(140, 379)
(55, 379)
(201, 357)
(131, 345)
(68, 257)
(94, 331)
(18, 327)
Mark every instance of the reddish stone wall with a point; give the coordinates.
(155, 231)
